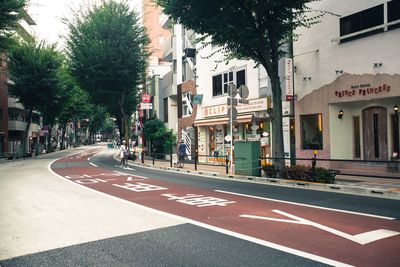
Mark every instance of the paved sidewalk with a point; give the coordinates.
(377, 187)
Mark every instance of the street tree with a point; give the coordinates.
(33, 69)
(10, 12)
(76, 105)
(253, 29)
(106, 54)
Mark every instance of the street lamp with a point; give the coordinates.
(396, 109)
(340, 114)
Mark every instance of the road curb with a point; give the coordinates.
(335, 188)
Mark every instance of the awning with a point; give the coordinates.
(223, 120)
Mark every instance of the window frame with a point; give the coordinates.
(312, 146)
(226, 79)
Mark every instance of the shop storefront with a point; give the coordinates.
(252, 123)
(354, 117)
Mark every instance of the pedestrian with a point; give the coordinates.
(181, 153)
(124, 153)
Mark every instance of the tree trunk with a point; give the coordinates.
(49, 137)
(277, 131)
(25, 135)
(63, 130)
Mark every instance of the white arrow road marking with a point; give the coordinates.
(363, 238)
(93, 164)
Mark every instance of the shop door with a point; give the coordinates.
(375, 133)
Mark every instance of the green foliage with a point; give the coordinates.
(248, 29)
(305, 173)
(34, 70)
(10, 12)
(161, 137)
(76, 101)
(106, 54)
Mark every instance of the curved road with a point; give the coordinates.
(146, 217)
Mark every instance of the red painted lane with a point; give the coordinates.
(288, 232)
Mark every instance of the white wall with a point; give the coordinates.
(341, 130)
(207, 68)
(354, 57)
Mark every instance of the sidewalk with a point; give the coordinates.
(368, 186)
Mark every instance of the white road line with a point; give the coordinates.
(306, 205)
(362, 238)
(93, 164)
(216, 229)
(89, 158)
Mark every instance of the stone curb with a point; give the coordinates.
(336, 188)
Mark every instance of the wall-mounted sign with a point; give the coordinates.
(221, 110)
(289, 78)
(363, 90)
(197, 99)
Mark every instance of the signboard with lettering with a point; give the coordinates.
(146, 105)
(221, 110)
(289, 78)
(363, 90)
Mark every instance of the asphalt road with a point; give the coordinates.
(147, 217)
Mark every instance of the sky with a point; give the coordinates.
(48, 15)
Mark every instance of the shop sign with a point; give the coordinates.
(289, 78)
(222, 110)
(363, 90)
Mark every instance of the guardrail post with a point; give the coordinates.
(195, 161)
(153, 155)
(226, 165)
(259, 167)
(170, 159)
(313, 164)
(142, 156)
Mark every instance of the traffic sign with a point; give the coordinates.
(232, 90)
(232, 110)
(146, 98)
(146, 105)
(243, 91)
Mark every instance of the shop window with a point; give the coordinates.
(187, 106)
(217, 85)
(393, 13)
(166, 109)
(395, 134)
(228, 78)
(220, 82)
(360, 21)
(240, 78)
(311, 129)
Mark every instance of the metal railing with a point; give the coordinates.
(344, 167)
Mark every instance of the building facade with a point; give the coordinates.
(13, 114)
(347, 81)
(212, 120)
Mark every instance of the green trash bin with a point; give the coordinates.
(110, 145)
(247, 155)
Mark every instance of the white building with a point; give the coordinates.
(347, 79)
(214, 74)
